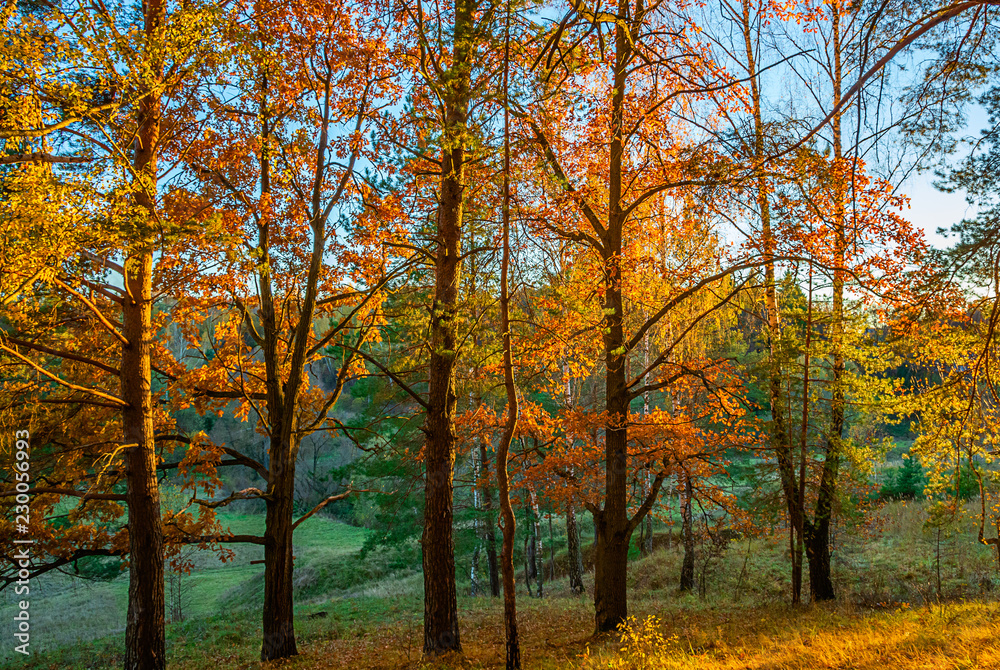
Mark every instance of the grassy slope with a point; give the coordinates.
(889, 619)
(67, 614)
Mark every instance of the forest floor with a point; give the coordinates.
(356, 613)
(385, 634)
(555, 635)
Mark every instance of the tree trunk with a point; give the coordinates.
(817, 543)
(489, 525)
(512, 643)
(818, 532)
(610, 572)
(573, 548)
(687, 530)
(144, 628)
(278, 613)
(612, 528)
(440, 598)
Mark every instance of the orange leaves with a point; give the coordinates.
(837, 207)
(198, 468)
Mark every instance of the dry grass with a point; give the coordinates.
(952, 636)
(555, 633)
(887, 617)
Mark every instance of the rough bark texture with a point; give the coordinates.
(573, 548)
(687, 531)
(279, 620)
(440, 599)
(144, 628)
(611, 525)
(817, 533)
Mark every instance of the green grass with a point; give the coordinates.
(367, 613)
(68, 612)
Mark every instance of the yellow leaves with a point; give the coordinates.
(643, 644)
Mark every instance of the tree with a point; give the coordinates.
(452, 71)
(305, 252)
(113, 117)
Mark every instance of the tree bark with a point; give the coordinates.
(441, 632)
(611, 525)
(279, 619)
(610, 571)
(687, 530)
(573, 548)
(489, 526)
(145, 647)
(144, 630)
(817, 533)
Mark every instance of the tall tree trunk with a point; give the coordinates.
(279, 621)
(144, 628)
(440, 598)
(573, 548)
(817, 533)
(780, 435)
(687, 531)
(611, 525)
(489, 525)
(537, 551)
(512, 642)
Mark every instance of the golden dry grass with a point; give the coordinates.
(555, 634)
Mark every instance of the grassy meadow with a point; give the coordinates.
(355, 612)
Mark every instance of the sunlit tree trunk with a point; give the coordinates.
(144, 628)
(441, 632)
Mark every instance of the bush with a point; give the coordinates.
(904, 483)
